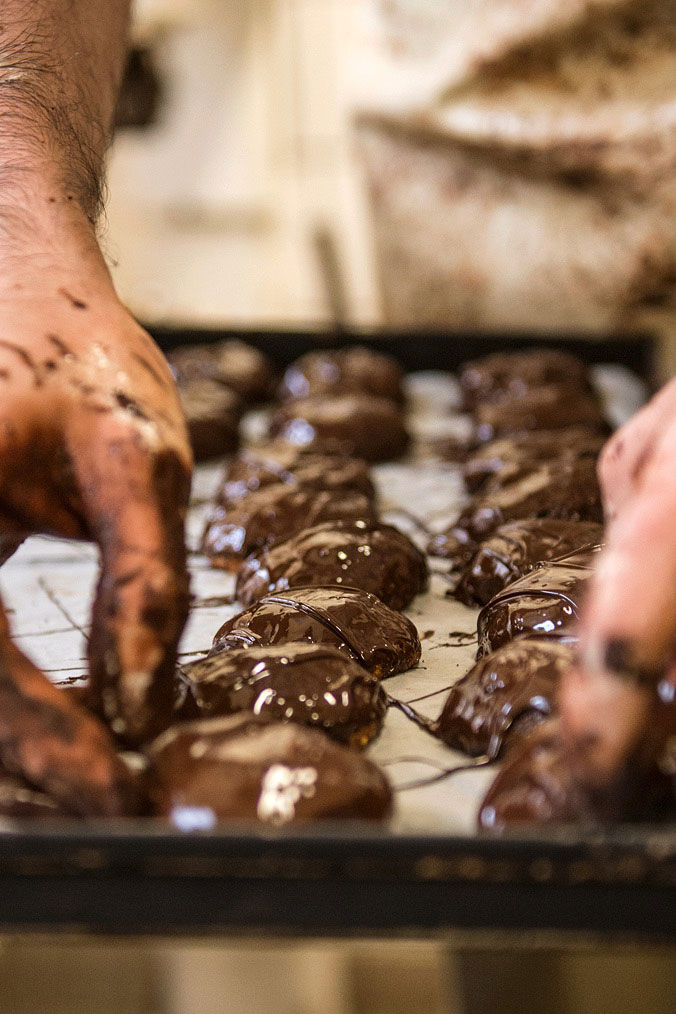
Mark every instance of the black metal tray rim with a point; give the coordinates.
(626, 855)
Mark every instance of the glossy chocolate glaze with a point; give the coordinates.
(535, 786)
(212, 413)
(515, 549)
(518, 682)
(545, 602)
(506, 374)
(360, 554)
(244, 767)
(273, 514)
(362, 426)
(566, 490)
(304, 683)
(553, 407)
(455, 544)
(233, 364)
(503, 460)
(356, 370)
(281, 462)
(358, 624)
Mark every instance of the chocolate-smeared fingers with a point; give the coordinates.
(248, 768)
(359, 425)
(504, 695)
(273, 514)
(311, 685)
(356, 370)
(57, 746)
(360, 625)
(545, 602)
(357, 554)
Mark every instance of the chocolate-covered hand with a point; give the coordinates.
(628, 624)
(93, 445)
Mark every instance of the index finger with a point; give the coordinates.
(629, 618)
(135, 496)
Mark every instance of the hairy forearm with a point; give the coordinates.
(61, 63)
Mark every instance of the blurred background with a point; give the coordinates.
(496, 164)
(456, 163)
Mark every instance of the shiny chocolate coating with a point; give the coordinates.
(515, 549)
(455, 544)
(508, 374)
(281, 462)
(359, 554)
(356, 370)
(315, 686)
(501, 461)
(557, 406)
(212, 413)
(545, 602)
(516, 683)
(232, 363)
(245, 767)
(358, 624)
(361, 426)
(535, 786)
(566, 490)
(273, 514)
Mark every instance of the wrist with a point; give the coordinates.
(45, 233)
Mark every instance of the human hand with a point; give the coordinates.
(93, 446)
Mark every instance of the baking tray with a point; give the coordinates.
(428, 872)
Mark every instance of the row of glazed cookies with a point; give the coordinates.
(300, 670)
(524, 550)
(348, 400)
(269, 727)
(297, 520)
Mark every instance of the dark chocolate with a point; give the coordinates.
(357, 554)
(501, 461)
(212, 413)
(515, 549)
(535, 786)
(359, 624)
(273, 514)
(304, 683)
(455, 544)
(281, 462)
(545, 602)
(513, 687)
(231, 363)
(356, 370)
(557, 406)
(505, 374)
(244, 767)
(361, 426)
(565, 490)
